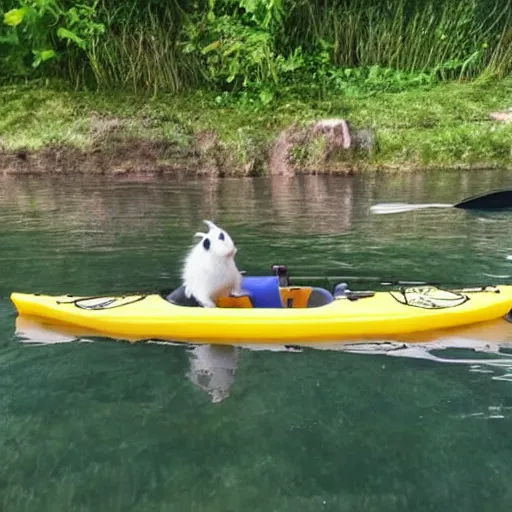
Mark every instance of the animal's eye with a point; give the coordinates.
(221, 236)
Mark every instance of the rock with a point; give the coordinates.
(280, 155)
(319, 143)
(365, 139)
(505, 117)
(342, 135)
(336, 129)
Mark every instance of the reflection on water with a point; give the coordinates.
(320, 205)
(484, 348)
(212, 367)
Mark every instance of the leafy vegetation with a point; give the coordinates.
(256, 51)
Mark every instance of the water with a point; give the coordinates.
(105, 425)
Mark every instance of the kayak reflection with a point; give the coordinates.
(212, 367)
(485, 348)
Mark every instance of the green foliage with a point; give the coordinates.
(236, 41)
(253, 52)
(39, 31)
(352, 48)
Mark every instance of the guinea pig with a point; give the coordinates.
(209, 270)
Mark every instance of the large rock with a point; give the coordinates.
(323, 142)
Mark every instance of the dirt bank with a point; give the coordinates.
(330, 145)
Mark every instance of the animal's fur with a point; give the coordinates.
(210, 271)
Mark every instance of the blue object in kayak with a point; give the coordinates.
(263, 291)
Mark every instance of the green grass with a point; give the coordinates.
(447, 125)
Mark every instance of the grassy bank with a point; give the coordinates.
(445, 125)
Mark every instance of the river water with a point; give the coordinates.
(106, 425)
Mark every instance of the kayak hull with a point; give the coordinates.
(382, 315)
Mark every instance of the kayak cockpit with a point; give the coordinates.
(262, 292)
(273, 291)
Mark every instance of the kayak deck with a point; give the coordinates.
(301, 314)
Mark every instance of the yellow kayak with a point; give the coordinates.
(272, 311)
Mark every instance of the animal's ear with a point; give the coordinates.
(210, 224)
(206, 244)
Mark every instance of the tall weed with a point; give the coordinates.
(256, 49)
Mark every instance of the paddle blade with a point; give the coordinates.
(386, 208)
(499, 199)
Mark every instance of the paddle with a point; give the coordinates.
(496, 200)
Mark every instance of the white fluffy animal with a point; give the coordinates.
(210, 270)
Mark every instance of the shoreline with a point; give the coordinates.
(66, 161)
(51, 130)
